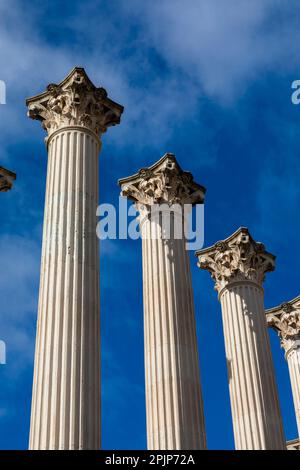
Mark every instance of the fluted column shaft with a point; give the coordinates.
(253, 393)
(174, 404)
(65, 412)
(163, 193)
(293, 360)
(285, 320)
(66, 389)
(238, 265)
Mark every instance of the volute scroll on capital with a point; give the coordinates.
(74, 102)
(238, 258)
(7, 178)
(285, 320)
(162, 183)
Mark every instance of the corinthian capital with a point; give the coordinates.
(74, 102)
(162, 183)
(6, 179)
(238, 258)
(285, 319)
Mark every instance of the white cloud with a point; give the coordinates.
(212, 48)
(223, 45)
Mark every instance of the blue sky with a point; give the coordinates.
(209, 81)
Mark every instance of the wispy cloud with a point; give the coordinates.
(212, 49)
(223, 46)
(191, 75)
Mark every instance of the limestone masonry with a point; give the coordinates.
(65, 412)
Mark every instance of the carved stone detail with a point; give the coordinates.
(74, 102)
(6, 179)
(285, 319)
(293, 445)
(162, 183)
(65, 411)
(174, 407)
(238, 258)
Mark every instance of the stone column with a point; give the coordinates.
(293, 445)
(238, 266)
(65, 410)
(174, 405)
(7, 178)
(285, 319)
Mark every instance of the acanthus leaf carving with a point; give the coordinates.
(285, 319)
(6, 179)
(74, 102)
(238, 258)
(163, 183)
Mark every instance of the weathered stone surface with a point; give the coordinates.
(175, 417)
(238, 266)
(66, 387)
(285, 319)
